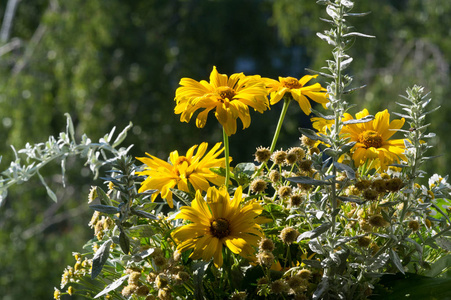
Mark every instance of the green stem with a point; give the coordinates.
(226, 153)
(286, 102)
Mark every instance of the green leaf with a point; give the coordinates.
(315, 232)
(307, 180)
(124, 242)
(185, 197)
(412, 286)
(440, 266)
(143, 214)
(107, 209)
(104, 199)
(49, 191)
(350, 173)
(396, 260)
(112, 286)
(199, 269)
(100, 258)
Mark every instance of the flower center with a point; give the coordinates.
(220, 228)
(225, 92)
(371, 138)
(181, 159)
(291, 83)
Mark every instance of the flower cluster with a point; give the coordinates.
(325, 218)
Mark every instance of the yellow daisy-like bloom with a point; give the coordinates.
(372, 138)
(181, 170)
(229, 97)
(217, 221)
(298, 91)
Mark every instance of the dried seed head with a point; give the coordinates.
(274, 176)
(300, 153)
(305, 165)
(296, 283)
(265, 258)
(278, 157)
(262, 154)
(279, 287)
(128, 290)
(414, 225)
(142, 291)
(161, 281)
(377, 221)
(394, 184)
(266, 245)
(133, 279)
(380, 185)
(151, 277)
(159, 261)
(306, 141)
(238, 296)
(182, 276)
(176, 255)
(295, 200)
(305, 274)
(364, 241)
(262, 281)
(291, 158)
(164, 294)
(363, 184)
(314, 150)
(289, 235)
(92, 194)
(284, 191)
(370, 194)
(258, 185)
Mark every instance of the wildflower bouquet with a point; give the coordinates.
(325, 219)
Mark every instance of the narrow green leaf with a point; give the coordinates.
(124, 242)
(185, 197)
(396, 260)
(100, 258)
(107, 209)
(104, 199)
(112, 286)
(307, 180)
(315, 232)
(49, 191)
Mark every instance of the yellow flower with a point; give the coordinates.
(181, 170)
(219, 221)
(372, 138)
(298, 90)
(230, 97)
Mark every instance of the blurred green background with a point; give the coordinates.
(111, 62)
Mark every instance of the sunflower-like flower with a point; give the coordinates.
(181, 170)
(230, 97)
(217, 221)
(372, 138)
(298, 91)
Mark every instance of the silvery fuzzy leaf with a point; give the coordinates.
(379, 262)
(396, 260)
(350, 173)
(322, 288)
(107, 209)
(312, 263)
(365, 119)
(315, 232)
(112, 286)
(307, 180)
(358, 34)
(315, 246)
(326, 38)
